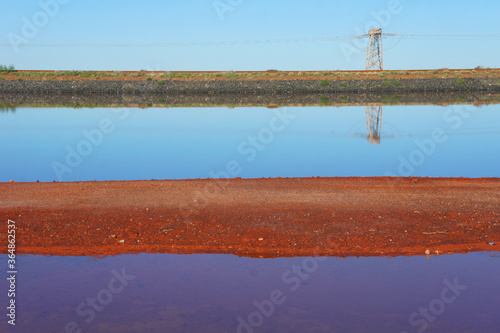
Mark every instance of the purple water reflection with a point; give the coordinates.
(208, 293)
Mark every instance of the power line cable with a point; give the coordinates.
(268, 41)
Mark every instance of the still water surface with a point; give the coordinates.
(65, 144)
(224, 293)
(209, 293)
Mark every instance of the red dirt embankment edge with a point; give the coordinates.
(255, 217)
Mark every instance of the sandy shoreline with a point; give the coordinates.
(256, 217)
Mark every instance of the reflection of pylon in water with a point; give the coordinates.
(374, 123)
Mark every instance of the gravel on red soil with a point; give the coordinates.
(255, 217)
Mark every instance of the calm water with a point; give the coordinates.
(65, 144)
(209, 293)
(223, 293)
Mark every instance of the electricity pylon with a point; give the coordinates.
(374, 53)
(374, 123)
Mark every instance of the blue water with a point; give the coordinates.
(216, 293)
(49, 144)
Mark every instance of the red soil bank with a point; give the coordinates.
(255, 217)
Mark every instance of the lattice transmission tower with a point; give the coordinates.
(374, 123)
(375, 51)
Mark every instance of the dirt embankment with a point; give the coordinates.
(255, 217)
(273, 75)
(143, 98)
(11, 101)
(249, 93)
(491, 85)
(275, 88)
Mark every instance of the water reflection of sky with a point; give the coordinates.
(207, 293)
(192, 142)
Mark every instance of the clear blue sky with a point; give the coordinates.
(155, 21)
